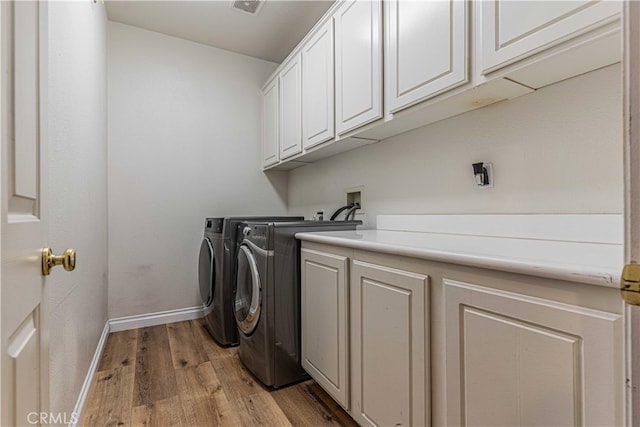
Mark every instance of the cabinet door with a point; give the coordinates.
(325, 350)
(512, 30)
(522, 361)
(290, 111)
(318, 88)
(426, 50)
(390, 346)
(270, 150)
(358, 64)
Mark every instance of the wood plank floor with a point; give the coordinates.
(176, 375)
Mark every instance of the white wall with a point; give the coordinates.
(77, 301)
(184, 129)
(558, 150)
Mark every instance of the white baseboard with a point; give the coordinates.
(88, 380)
(152, 319)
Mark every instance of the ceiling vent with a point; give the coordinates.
(252, 7)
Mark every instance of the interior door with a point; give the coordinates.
(24, 227)
(631, 61)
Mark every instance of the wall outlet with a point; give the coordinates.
(356, 195)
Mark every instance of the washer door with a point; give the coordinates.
(206, 271)
(248, 291)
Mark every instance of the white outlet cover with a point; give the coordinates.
(359, 188)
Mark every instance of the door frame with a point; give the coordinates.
(43, 110)
(631, 167)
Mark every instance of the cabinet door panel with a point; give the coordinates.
(537, 362)
(518, 360)
(325, 351)
(358, 64)
(426, 45)
(318, 88)
(390, 369)
(512, 30)
(290, 111)
(270, 150)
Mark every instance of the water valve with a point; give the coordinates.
(482, 174)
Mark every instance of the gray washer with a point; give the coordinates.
(267, 297)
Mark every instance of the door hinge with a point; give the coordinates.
(630, 284)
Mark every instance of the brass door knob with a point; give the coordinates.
(49, 260)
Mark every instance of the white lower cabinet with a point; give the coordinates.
(400, 341)
(365, 337)
(325, 345)
(517, 360)
(389, 346)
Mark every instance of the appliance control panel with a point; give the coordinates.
(213, 225)
(256, 233)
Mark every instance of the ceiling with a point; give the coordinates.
(271, 35)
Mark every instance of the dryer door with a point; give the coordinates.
(206, 271)
(248, 291)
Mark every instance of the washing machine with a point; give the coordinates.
(216, 276)
(267, 297)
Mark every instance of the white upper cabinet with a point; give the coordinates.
(318, 88)
(290, 111)
(426, 50)
(512, 30)
(358, 56)
(270, 149)
(441, 58)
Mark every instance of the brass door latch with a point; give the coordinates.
(630, 284)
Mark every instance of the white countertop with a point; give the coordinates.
(583, 262)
